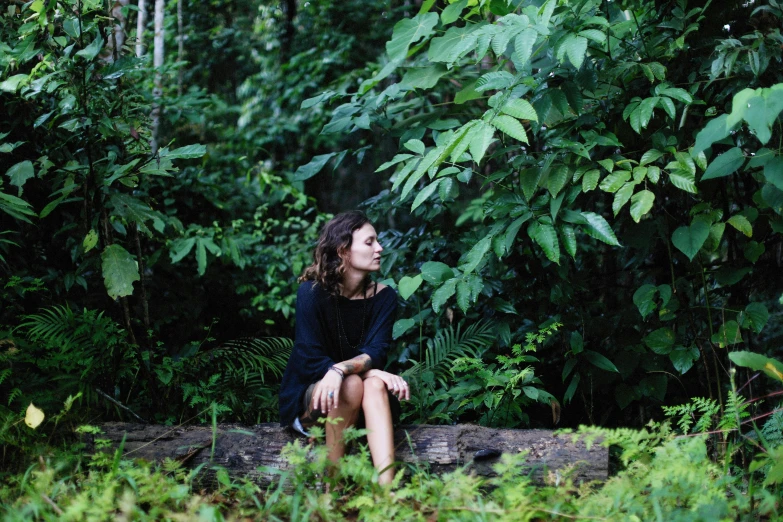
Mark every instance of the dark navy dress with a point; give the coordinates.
(321, 342)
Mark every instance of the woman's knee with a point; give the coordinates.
(374, 388)
(352, 391)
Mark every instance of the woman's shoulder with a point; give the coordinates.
(384, 293)
(311, 291)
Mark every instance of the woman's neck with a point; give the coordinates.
(353, 285)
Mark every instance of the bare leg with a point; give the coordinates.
(377, 416)
(351, 393)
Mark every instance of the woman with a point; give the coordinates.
(343, 332)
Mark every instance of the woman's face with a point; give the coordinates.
(365, 252)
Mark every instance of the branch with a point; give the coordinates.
(118, 403)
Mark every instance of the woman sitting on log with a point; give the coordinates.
(343, 332)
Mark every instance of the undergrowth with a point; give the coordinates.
(667, 475)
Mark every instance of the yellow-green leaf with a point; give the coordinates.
(33, 417)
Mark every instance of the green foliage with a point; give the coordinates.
(527, 136)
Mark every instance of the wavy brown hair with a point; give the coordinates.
(337, 235)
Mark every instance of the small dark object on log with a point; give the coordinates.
(242, 450)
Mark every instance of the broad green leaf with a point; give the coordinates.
(615, 180)
(408, 285)
(689, 240)
(761, 111)
(482, 137)
(423, 77)
(668, 106)
(644, 299)
(424, 194)
(451, 13)
(494, 80)
(476, 255)
(528, 181)
(600, 361)
(510, 126)
(546, 237)
(513, 229)
(645, 109)
(13, 83)
(90, 240)
(201, 257)
(120, 270)
(523, 45)
(725, 164)
(773, 197)
(598, 228)
(683, 180)
(683, 358)
(442, 294)
(595, 35)
(753, 251)
(134, 210)
(590, 180)
(678, 94)
(650, 156)
(396, 159)
(309, 170)
(654, 386)
(409, 31)
(91, 51)
(641, 203)
(519, 109)
(455, 43)
(180, 248)
(728, 334)
(568, 235)
(715, 130)
(436, 272)
(557, 179)
(714, 239)
(660, 341)
(401, 326)
(463, 295)
(575, 48)
(186, 152)
(773, 171)
(20, 173)
(622, 196)
(755, 317)
(425, 163)
(416, 146)
(758, 362)
(569, 393)
(653, 174)
(16, 207)
(742, 224)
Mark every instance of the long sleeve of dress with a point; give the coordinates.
(309, 359)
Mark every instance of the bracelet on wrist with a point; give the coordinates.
(339, 372)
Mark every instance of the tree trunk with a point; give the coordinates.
(157, 62)
(181, 47)
(242, 450)
(141, 23)
(116, 39)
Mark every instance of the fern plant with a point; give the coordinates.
(431, 376)
(80, 351)
(240, 376)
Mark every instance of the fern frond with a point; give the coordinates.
(249, 356)
(451, 344)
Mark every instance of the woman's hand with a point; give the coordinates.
(326, 395)
(394, 383)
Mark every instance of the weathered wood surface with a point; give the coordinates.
(242, 450)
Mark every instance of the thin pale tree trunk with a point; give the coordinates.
(157, 62)
(141, 23)
(181, 50)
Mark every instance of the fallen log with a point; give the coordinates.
(241, 450)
